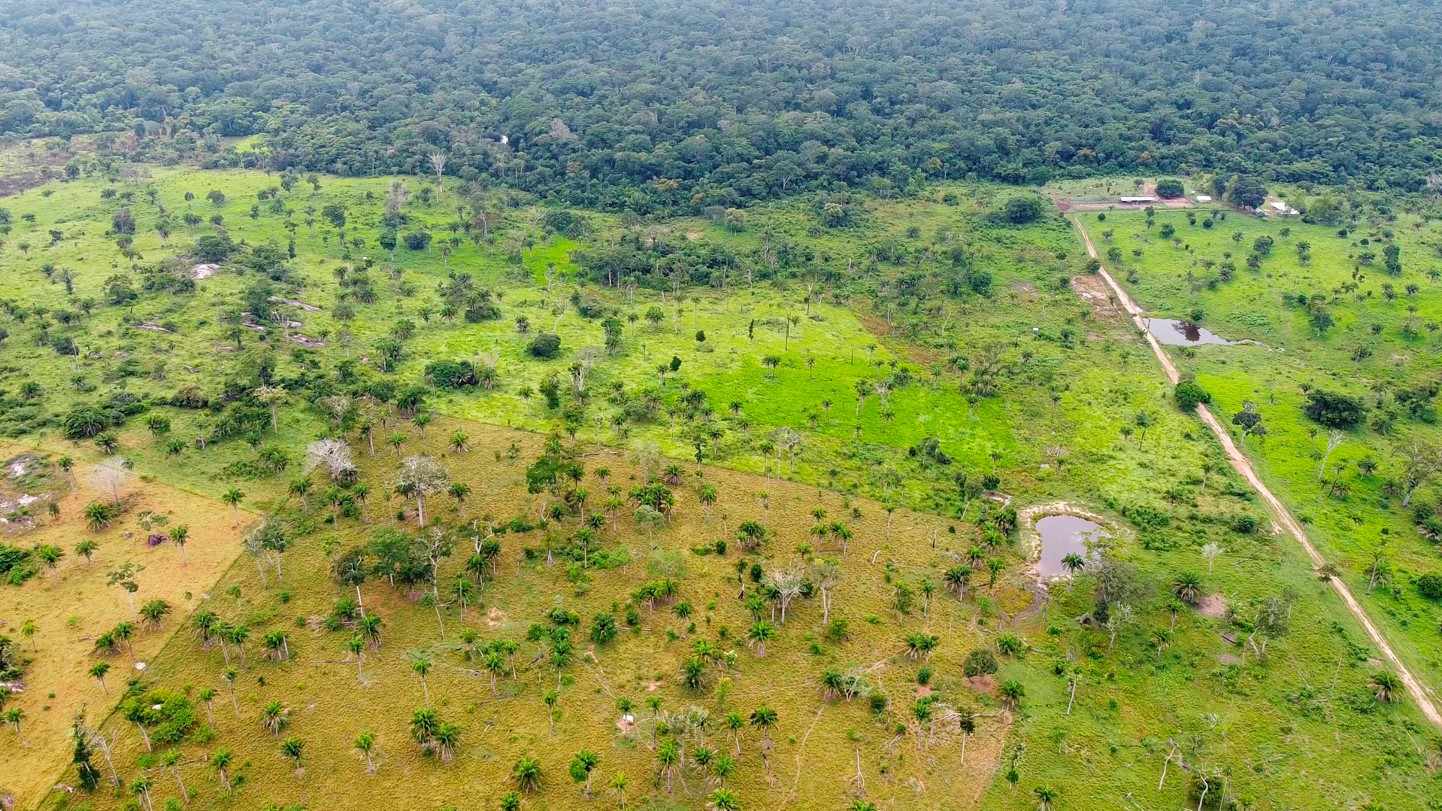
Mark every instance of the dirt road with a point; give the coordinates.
(1420, 693)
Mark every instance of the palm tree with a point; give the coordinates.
(464, 591)
(618, 787)
(1073, 562)
(668, 755)
(734, 723)
(424, 723)
(277, 645)
(123, 632)
(98, 671)
(300, 487)
(236, 635)
(723, 799)
(445, 740)
(759, 634)
(1044, 798)
(274, 717)
(86, 548)
(141, 788)
(13, 717)
(722, 767)
(581, 767)
(459, 440)
(293, 748)
(230, 676)
(707, 496)
(233, 497)
(527, 774)
(421, 665)
(459, 491)
(1012, 692)
(966, 722)
(956, 579)
(365, 744)
(356, 646)
(920, 643)
(826, 573)
(370, 627)
(1188, 588)
(170, 759)
(1385, 687)
(764, 718)
(221, 761)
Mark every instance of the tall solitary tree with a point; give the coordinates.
(419, 477)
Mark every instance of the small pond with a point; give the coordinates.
(1063, 535)
(1174, 332)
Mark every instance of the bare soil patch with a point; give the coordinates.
(1094, 292)
(29, 483)
(1212, 605)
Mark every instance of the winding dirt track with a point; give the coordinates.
(1420, 693)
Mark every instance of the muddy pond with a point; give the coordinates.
(1174, 332)
(1063, 535)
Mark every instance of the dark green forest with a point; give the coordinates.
(683, 104)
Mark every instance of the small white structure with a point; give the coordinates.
(1281, 207)
(1136, 200)
(1204, 198)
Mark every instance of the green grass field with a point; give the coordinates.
(1025, 395)
(1377, 347)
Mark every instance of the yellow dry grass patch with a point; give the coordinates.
(71, 605)
(818, 743)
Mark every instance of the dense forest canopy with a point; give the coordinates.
(689, 103)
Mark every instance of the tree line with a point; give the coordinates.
(684, 104)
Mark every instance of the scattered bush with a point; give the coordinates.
(1022, 210)
(1170, 188)
(452, 374)
(213, 248)
(1189, 394)
(980, 662)
(545, 345)
(1430, 586)
(1334, 410)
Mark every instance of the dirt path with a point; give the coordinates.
(1420, 693)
